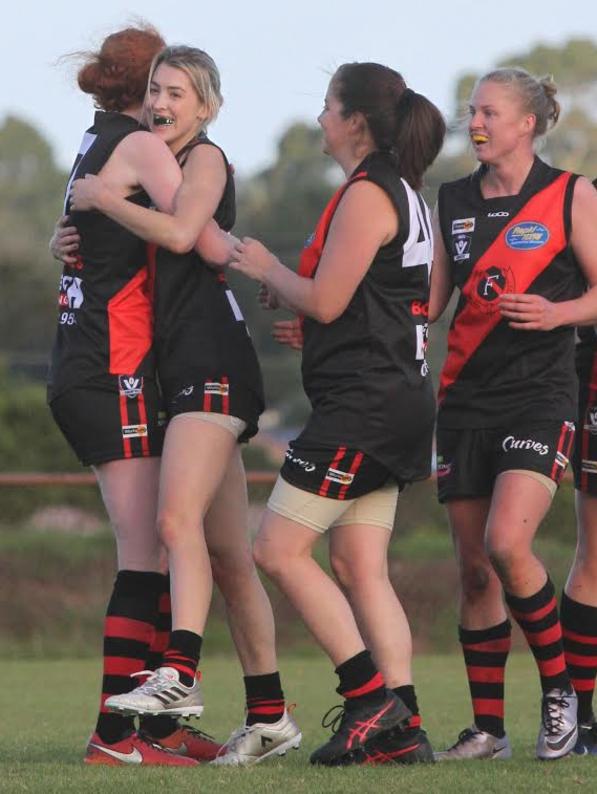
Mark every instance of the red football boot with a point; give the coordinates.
(132, 750)
(190, 742)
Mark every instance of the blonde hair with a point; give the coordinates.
(537, 94)
(201, 70)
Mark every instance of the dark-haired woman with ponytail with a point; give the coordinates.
(362, 294)
(519, 240)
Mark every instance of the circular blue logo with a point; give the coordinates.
(527, 235)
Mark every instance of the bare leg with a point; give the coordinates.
(194, 461)
(283, 550)
(518, 506)
(249, 611)
(582, 580)
(129, 490)
(359, 559)
(481, 603)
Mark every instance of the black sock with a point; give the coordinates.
(183, 654)
(128, 629)
(360, 680)
(579, 627)
(537, 616)
(265, 699)
(408, 696)
(160, 725)
(485, 656)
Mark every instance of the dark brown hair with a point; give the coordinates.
(401, 121)
(116, 76)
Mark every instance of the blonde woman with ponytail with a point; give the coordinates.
(518, 239)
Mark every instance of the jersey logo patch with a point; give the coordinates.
(527, 236)
(223, 389)
(129, 386)
(491, 283)
(461, 247)
(134, 431)
(463, 225)
(343, 477)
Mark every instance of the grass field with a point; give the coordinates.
(47, 711)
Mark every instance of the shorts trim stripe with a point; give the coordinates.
(226, 396)
(325, 486)
(143, 421)
(207, 399)
(356, 463)
(126, 442)
(564, 443)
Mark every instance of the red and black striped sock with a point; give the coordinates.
(408, 696)
(184, 650)
(537, 616)
(160, 725)
(360, 680)
(579, 627)
(485, 655)
(128, 630)
(265, 699)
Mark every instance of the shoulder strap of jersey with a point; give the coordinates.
(312, 251)
(479, 315)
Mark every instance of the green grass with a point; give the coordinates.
(47, 711)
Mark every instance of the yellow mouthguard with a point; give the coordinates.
(479, 138)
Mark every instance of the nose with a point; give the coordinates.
(475, 120)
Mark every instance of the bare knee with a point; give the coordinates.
(476, 580)
(271, 558)
(173, 530)
(506, 558)
(352, 574)
(232, 567)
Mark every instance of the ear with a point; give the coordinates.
(529, 123)
(358, 122)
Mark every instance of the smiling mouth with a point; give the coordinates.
(162, 121)
(478, 137)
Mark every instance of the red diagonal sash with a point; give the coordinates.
(518, 269)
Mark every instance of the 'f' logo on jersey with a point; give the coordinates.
(130, 386)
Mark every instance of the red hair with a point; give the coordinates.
(116, 76)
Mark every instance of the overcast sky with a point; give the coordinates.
(275, 57)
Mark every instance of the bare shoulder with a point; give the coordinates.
(206, 156)
(585, 193)
(364, 196)
(140, 145)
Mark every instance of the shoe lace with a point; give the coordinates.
(146, 739)
(154, 682)
(196, 732)
(553, 714)
(465, 736)
(334, 718)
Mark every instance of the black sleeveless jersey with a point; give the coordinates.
(365, 373)
(493, 373)
(201, 339)
(105, 314)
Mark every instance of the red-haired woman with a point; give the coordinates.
(102, 389)
(362, 289)
(211, 382)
